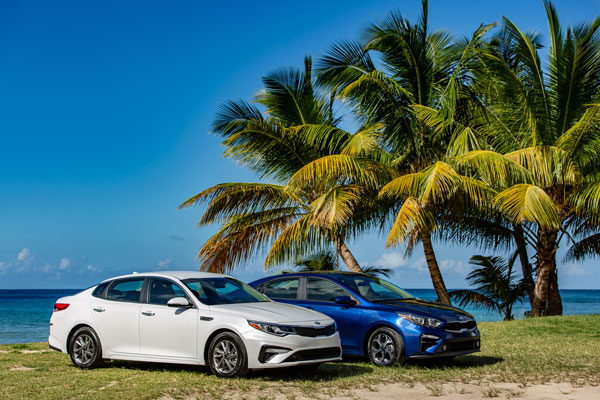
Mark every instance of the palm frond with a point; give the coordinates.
(528, 203)
(411, 219)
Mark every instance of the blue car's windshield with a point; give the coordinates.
(213, 291)
(374, 289)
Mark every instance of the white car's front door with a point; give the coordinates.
(167, 331)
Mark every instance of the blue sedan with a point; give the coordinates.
(376, 318)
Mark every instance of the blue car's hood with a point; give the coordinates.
(423, 307)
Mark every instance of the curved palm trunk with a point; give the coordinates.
(347, 256)
(434, 269)
(546, 246)
(525, 264)
(555, 306)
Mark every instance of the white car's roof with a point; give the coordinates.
(172, 274)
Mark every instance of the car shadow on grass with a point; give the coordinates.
(349, 367)
(325, 372)
(462, 362)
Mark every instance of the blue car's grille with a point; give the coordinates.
(459, 325)
(315, 332)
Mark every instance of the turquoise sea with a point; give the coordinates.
(25, 314)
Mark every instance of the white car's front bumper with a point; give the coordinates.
(270, 351)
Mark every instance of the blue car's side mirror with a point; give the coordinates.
(345, 300)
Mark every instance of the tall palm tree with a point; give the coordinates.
(495, 286)
(545, 122)
(422, 71)
(291, 222)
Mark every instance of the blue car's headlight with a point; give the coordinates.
(273, 329)
(422, 321)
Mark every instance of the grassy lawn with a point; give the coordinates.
(554, 349)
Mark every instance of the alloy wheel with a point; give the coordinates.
(83, 349)
(383, 349)
(225, 356)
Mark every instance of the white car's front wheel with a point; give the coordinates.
(227, 356)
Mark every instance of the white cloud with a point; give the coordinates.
(455, 266)
(3, 267)
(25, 256)
(64, 264)
(420, 265)
(91, 268)
(575, 270)
(164, 264)
(392, 259)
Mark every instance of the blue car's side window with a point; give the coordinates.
(323, 290)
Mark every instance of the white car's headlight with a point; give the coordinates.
(422, 321)
(273, 329)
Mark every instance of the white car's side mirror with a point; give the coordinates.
(179, 302)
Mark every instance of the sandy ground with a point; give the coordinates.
(562, 391)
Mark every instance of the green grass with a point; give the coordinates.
(553, 349)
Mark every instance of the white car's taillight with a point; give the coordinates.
(60, 306)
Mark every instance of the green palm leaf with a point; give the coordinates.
(528, 203)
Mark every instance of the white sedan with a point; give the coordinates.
(188, 317)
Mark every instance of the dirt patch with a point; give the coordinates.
(21, 368)
(34, 351)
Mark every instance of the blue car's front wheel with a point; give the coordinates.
(385, 347)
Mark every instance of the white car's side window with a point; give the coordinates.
(126, 290)
(160, 291)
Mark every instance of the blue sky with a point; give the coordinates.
(105, 109)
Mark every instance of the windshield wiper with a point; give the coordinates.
(393, 300)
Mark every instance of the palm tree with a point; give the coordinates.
(421, 70)
(545, 124)
(495, 287)
(321, 261)
(291, 222)
(327, 261)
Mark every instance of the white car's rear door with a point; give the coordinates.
(117, 316)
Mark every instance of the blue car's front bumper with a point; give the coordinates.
(425, 342)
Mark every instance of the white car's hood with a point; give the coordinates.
(274, 312)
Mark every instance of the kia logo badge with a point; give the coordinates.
(317, 323)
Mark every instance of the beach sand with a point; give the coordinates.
(550, 391)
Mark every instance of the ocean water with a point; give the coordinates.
(25, 314)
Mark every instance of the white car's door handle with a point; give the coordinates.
(148, 313)
(98, 309)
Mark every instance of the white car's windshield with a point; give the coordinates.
(213, 291)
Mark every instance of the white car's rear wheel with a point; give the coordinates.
(85, 348)
(227, 356)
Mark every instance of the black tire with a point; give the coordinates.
(385, 347)
(227, 356)
(85, 348)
